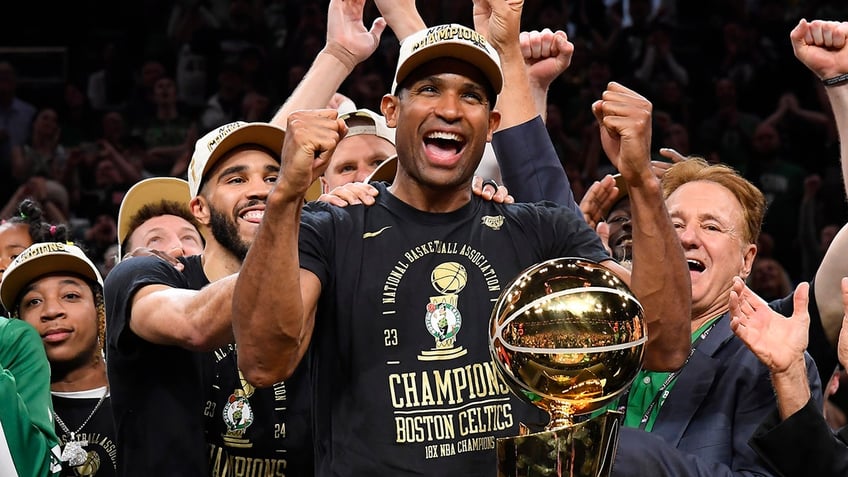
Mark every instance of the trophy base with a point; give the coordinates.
(585, 449)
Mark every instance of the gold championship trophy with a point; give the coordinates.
(567, 335)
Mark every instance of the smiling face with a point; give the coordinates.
(232, 200)
(443, 119)
(709, 221)
(62, 310)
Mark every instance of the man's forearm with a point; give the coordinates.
(666, 296)
(317, 87)
(792, 388)
(268, 311)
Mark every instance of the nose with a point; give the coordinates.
(361, 174)
(52, 310)
(177, 251)
(259, 189)
(448, 107)
(688, 236)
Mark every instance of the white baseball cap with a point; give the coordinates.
(42, 259)
(216, 143)
(448, 41)
(359, 122)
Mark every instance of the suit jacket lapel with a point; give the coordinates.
(692, 385)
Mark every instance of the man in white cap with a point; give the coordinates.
(368, 142)
(356, 284)
(180, 404)
(154, 215)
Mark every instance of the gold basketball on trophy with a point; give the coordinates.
(568, 336)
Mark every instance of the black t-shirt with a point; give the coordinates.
(258, 431)
(402, 375)
(158, 392)
(268, 431)
(98, 433)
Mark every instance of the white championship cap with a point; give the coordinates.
(212, 146)
(41, 259)
(448, 41)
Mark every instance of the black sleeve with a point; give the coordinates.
(571, 236)
(120, 287)
(801, 445)
(315, 242)
(529, 165)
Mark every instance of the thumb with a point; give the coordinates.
(377, 29)
(800, 299)
(603, 232)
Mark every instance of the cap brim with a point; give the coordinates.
(262, 134)
(315, 190)
(452, 49)
(149, 191)
(16, 279)
(385, 172)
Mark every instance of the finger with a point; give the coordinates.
(490, 188)
(603, 232)
(536, 46)
(672, 155)
(733, 306)
(333, 200)
(524, 42)
(800, 300)
(377, 29)
(509, 199)
(346, 194)
(477, 185)
(501, 195)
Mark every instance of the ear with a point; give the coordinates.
(389, 106)
(325, 189)
(494, 122)
(200, 209)
(749, 252)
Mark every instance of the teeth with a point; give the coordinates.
(254, 214)
(695, 265)
(445, 136)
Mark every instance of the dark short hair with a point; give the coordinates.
(156, 209)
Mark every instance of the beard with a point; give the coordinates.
(226, 233)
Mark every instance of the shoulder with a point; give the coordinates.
(14, 331)
(142, 271)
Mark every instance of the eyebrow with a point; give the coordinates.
(239, 168)
(65, 281)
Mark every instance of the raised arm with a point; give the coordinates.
(777, 341)
(348, 44)
(823, 48)
(401, 16)
(660, 276)
(275, 301)
(530, 61)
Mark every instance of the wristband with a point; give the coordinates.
(342, 54)
(843, 78)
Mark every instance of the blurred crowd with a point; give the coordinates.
(151, 77)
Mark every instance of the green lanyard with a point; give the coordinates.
(672, 376)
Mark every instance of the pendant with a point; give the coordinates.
(73, 453)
